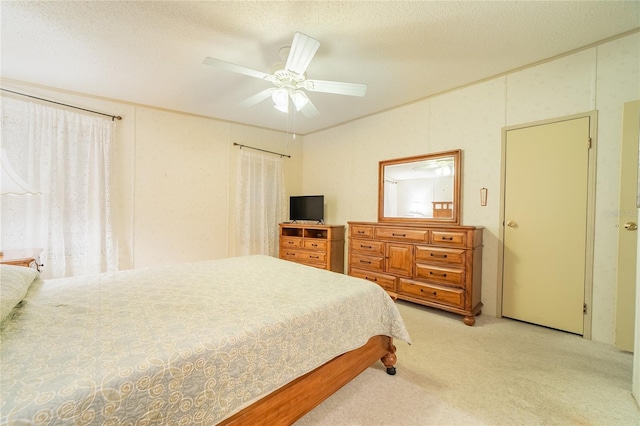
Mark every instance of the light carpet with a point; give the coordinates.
(498, 372)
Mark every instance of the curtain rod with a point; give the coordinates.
(263, 150)
(113, 117)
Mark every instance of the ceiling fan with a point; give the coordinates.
(291, 81)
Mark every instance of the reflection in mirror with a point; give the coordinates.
(423, 188)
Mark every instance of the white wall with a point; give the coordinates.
(600, 78)
(180, 195)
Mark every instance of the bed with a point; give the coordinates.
(245, 340)
(442, 209)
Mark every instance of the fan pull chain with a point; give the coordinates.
(294, 121)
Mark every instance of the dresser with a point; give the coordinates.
(321, 246)
(434, 265)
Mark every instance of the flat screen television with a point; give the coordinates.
(306, 207)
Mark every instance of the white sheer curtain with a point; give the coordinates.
(66, 156)
(260, 203)
(390, 198)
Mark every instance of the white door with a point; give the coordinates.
(545, 229)
(627, 235)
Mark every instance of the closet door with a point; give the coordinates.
(545, 226)
(627, 229)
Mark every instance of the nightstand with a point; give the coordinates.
(22, 257)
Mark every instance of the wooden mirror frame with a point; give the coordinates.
(454, 219)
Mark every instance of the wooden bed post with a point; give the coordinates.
(390, 358)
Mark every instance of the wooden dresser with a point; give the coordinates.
(433, 265)
(321, 246)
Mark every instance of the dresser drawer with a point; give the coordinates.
(310, 244)
(440, 275)
(448, 296)
(440, 255)
(449, 238)
(314, 264)
(370, 263)
(400, 234)
(312, 257)
(289, 254)
(290, 242)
(362, 231)
(303, 256)
(388, 282)
(367, 246)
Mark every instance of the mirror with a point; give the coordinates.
(422, 189)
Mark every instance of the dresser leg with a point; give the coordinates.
(469, 320)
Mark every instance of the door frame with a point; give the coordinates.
(591, 208)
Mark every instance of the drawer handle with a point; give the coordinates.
(438, 275)
(314, 245)
(399, 235)
(371, 279)
(360, 232)
(290, 242)
(430, 292)
(368, 262)
(443, 256)
(291, 254)
(447, 238)
(314, 257)
(367, 247)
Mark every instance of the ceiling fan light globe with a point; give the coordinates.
(282, 108)
(300, 99)
(280, 97)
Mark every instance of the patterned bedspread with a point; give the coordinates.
(184, 344)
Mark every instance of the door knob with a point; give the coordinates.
(511, 224)
(630, 226)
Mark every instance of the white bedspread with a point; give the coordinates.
(185, 344)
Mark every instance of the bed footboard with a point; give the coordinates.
(289, 403)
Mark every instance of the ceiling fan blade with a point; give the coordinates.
(302, 50)
(337, 87)
(235, 68)
(310, 110)
(258, 97)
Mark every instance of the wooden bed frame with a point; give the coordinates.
(294, 400)
(442, 209)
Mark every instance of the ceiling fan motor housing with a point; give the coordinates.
(288, 79)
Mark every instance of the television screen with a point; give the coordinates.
(306, 207)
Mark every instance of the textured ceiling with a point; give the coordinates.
(151, 52)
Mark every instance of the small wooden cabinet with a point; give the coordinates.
(321, 246)
(29, 258)
(437, 266)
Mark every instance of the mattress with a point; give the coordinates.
(186, 344)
